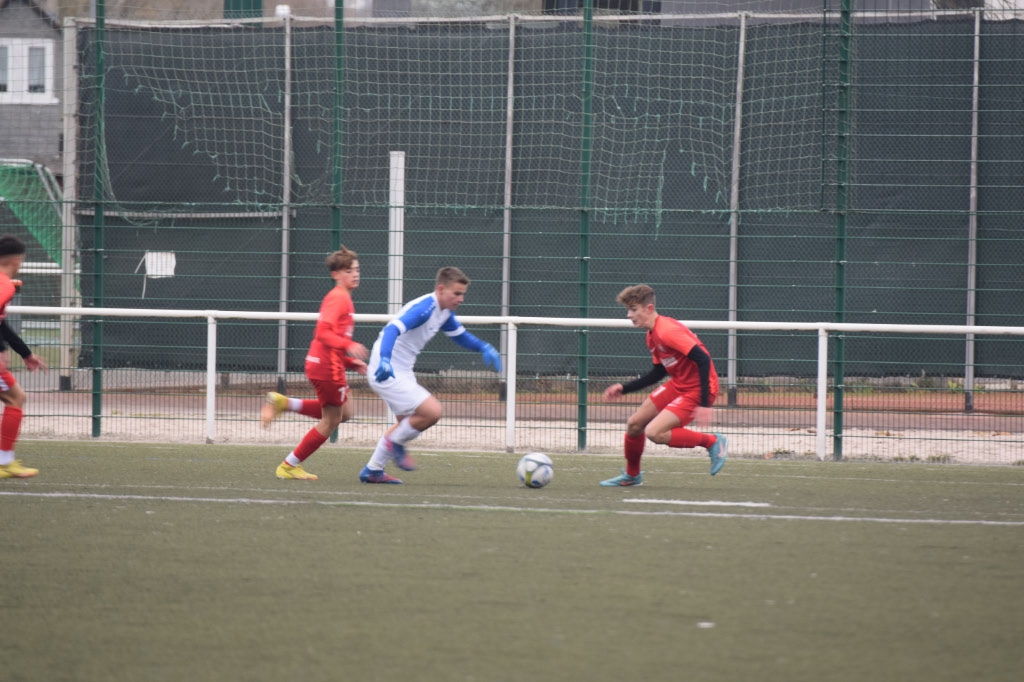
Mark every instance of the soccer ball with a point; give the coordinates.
(535, 470)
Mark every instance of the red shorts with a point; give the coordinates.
(6, 380)
(329, 392)
(681, 404)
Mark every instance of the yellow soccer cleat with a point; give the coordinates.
(16, 470)
(286, 471)
(275, 405)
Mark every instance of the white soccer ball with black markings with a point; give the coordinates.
(535, 470)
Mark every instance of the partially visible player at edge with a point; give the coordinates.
(686, 397)
(331, 352)
(390, 372)
(12, 255)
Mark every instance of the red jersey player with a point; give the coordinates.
(12, 254)
(330, 354)
(687, 396)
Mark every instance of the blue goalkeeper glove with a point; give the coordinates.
(384, 371)
(492, 357)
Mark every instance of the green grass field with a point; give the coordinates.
(193, 563)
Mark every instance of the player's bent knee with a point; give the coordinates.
(634, 429)
(637, 422)
(659, 437)
(429, 411)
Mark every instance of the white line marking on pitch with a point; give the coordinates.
(482, 507)
(700, 503)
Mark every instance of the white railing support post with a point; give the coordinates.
(510, 391)
(821, 401)
(211, 377)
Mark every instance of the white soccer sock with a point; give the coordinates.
(404, 433)
(6, 457)
(294, 405)
(379, 458)
(292, 460)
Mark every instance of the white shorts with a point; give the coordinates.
(402, 394)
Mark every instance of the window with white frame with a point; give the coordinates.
(27, 71)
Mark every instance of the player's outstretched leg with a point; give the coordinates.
(624, 479)
(368, 475)
(275, 404)
(717, 453)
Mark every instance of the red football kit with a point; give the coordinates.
(671, 345)
(670, 342)
(7, 292)
(327, 357)
(10, 423)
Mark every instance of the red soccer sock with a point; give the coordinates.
(685, 438)
(311, 408)
(309, 444)
(10, 426)
(634, 449)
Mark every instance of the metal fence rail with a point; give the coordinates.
(518, 393)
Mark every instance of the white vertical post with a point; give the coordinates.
(286, 198)
(68, 291)
(734, 208)
(820, 404)
(396, 236)
(506, 231)
(211, 378)
(396, 231)
(510, 389)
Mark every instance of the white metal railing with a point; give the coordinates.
(511, 325)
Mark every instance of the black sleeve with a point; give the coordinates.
(657, 373)
(8, 337)
(703, 362)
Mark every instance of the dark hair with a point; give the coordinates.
(11, 246)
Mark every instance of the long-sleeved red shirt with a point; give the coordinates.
(327, 359)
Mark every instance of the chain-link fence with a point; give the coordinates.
(857, 162)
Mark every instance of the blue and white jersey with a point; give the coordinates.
(417, 322)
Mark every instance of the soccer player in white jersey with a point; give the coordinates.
(390, 370)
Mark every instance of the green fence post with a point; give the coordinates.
(842, 204)
(98, 223)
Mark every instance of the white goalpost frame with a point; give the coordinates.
(512, 324)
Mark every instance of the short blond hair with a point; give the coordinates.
(638, 294)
